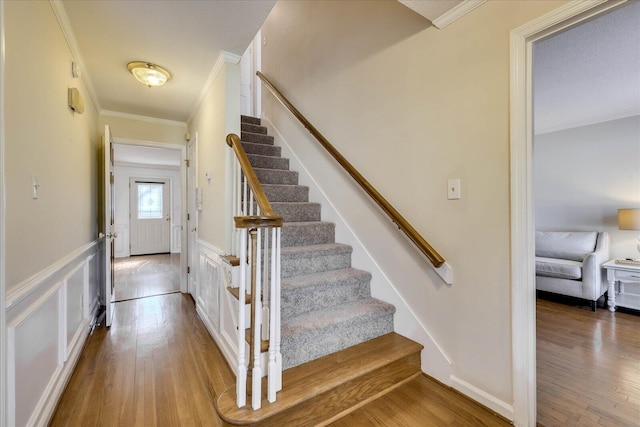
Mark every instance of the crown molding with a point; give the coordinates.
(456, 13)
(223, 58)
(136, 117)
(65, 26)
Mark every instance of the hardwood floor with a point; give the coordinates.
(588, 366)
(158, 366)
(146, 275)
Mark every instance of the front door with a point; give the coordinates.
(150, 211)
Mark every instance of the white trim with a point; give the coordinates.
(3, 312)
(139, 118)
(456, 13)
(34, 282)
(440, 363)
(65, 26)
(523, 311)
(145, 166)
(498, 406)
(223, 58)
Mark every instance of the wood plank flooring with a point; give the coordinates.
(146, 275)
(588, 366)
(158, 366)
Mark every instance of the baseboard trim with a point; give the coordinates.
(482, 397)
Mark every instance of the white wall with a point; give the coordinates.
(412, 106)
(128, 126)
(52, 281)
(121, 220)
(582, 176)
(217, 115)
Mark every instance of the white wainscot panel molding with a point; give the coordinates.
(215, 306)
(48, 322)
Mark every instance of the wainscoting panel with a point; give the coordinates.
(48, 319)
(213, 302)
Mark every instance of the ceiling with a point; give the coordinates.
(186, 37)
(590, 73)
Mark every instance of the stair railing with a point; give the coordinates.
(257, 230)
(438, 262)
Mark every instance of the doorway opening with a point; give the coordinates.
(148, 206)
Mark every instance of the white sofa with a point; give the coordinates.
(570, 263)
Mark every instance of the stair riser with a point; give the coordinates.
(286, 193)
(256, 138)
(297, 212)
(307, 234)
(248, 127)
(261, 149)
(273, 176)
(299, 301)
(268, 162)
(301, 348)
(296, 264)
(249, 119)
(346, 398)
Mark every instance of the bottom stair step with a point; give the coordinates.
(326, 389)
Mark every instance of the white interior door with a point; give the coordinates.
(192, 214)
(150, 210)
(246, 82)
(108, 232)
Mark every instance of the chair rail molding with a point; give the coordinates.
(523, 309)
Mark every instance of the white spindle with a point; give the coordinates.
(241, 379)
(272, 367)
(256, 392)
(276, 325)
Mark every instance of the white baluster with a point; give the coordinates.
(272, 367)
(256, 392)
(241, 378)
(277, 325)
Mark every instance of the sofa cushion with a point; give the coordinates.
(559, 268)
(572, 245)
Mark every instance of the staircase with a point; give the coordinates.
(327, 312)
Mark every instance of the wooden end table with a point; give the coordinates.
(622, 273)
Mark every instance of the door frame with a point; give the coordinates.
(523, 290)
(183, 195)
(3, 305)
(191, 189)
(168, 186)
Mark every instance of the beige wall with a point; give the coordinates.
(412, 106)
(218, 115)
(143, 128)
(44, 138)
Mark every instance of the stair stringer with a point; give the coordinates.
(434, 361)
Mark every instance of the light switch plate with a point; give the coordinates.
(453, 189)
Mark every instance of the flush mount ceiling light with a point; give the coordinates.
(149, 74)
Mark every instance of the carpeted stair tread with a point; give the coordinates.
(318, 333)
(302, 260)
(268, 162)
(307, 233)
(286, 193)
(301, 294)
(249, 119)
(249, 127)
(256, 138)
(276, 176)
(297, 211)
(262, 149)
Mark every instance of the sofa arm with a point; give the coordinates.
(593, 275)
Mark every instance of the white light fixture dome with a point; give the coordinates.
(149, 74)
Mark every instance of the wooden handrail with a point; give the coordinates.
(436, 259)
(268, 218)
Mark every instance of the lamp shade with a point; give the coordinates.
(629, 219)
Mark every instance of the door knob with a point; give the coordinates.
(168, 218)
(193, 230)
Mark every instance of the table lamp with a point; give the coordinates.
(629, 219)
